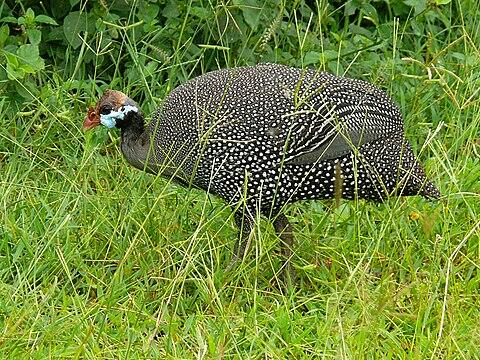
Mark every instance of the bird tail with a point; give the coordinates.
(430, 191)
(416, 181)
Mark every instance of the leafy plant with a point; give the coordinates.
(129, 43)
(20, 50)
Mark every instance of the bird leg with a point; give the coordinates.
(244, 223)
(285, 233)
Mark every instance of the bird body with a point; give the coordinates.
(268, 135)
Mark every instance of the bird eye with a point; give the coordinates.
(106, 109)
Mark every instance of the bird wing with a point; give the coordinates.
(340, 116)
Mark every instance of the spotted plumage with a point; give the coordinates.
(264, 136)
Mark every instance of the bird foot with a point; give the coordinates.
(284, 232)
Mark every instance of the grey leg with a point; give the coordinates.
(245, 225)
(285, 233)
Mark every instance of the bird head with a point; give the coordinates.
(112, 110)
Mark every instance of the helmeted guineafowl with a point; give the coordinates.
(267, 135)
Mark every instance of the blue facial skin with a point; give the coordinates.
(110, 120)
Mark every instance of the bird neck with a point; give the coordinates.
(142, 153)
(133, 125)
(135, 141)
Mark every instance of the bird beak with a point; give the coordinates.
(91, 120)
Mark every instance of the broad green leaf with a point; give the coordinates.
(355, 29)
(251, 11)
(11, 59)
(171, 9)
(9, 19)
(418, 27)
(44, 19)
(251, 16)
(29, 55)
(29, 17)
(3, 74)
(4, 32)
(34, 36)
(14, 72)
(442, 2)
(311, 57)
(147, 12)
(371, 12)
(330, 54)
(150, 68)
(351, 6)
(200, 12)
(418, 5)
(76, 23)
(28, 90)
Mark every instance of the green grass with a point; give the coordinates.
(99, 260)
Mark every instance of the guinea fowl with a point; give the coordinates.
(267, 135)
